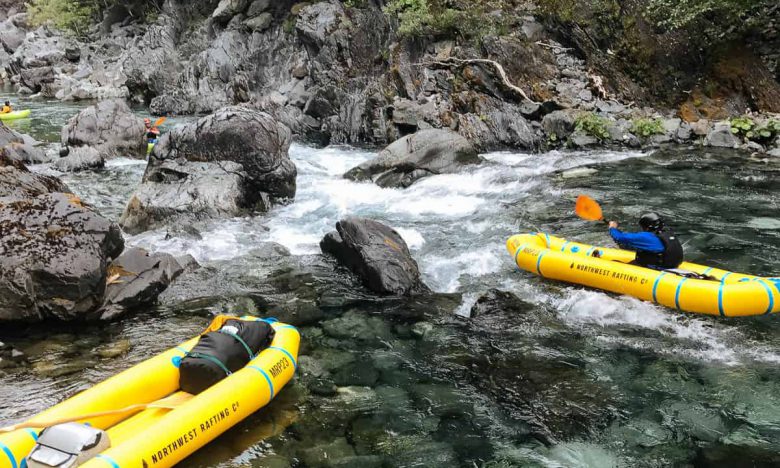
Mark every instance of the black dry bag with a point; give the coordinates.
(220, 353)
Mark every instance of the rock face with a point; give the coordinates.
(20, 147)
(108, 126)
(54, 249)
(415, 156)
(231, 162)
(377, 254)
(135, 279)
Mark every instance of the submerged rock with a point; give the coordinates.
(377, 254)
(232, 162)
(108, 126)
(415, 156)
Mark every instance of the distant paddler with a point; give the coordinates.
(152, 133)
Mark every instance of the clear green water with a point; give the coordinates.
(581, 379)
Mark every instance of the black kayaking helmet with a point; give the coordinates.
(651, 222)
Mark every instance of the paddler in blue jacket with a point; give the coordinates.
(656, 246)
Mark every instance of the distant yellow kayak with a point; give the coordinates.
(21, 114)
(724, 293)
(162, 437)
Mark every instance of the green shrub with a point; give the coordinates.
(743, 126)
(67, 15)
(746, 128)
(713, 21)
(645, 128)
(593, 125)
(443, 18)
(768, 131)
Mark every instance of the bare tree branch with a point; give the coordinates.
(445, 62)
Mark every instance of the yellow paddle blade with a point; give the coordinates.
(159, 121)
(587, 208)
(169, 402)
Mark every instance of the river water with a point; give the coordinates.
(579, 378)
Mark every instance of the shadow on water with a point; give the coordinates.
(543, 374)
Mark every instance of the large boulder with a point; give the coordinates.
(11, 35)
(20, 147)
(110, 127)
(54, 249)
(721, 135)
(16, 181)
(415, 156)
(36, 78)
(135, 279)
(80, 158)
(225, 164)
(559, 124)
(377, 254)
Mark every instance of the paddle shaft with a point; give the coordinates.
(172, 403)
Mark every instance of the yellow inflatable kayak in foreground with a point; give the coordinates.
(724, 293)
(162, 437)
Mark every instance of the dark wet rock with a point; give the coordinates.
(73, 54)
(442, 400)
(720, 135)
(20, 147)
(108, 126)
(16, 181)
(54, 249)
(232, 162)
(377, 254)
(415, 156)
(360, 374)
(497, 302)
(36, 78)
(327, 454)
(720, 454)
(135, 279)
(559, 123)
(81, 158)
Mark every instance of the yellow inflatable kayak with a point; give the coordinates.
(162, 437)
(15, 115)
(723, 293)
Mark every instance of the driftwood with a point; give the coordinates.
(446, 62)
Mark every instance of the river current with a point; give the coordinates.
(618, 382)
